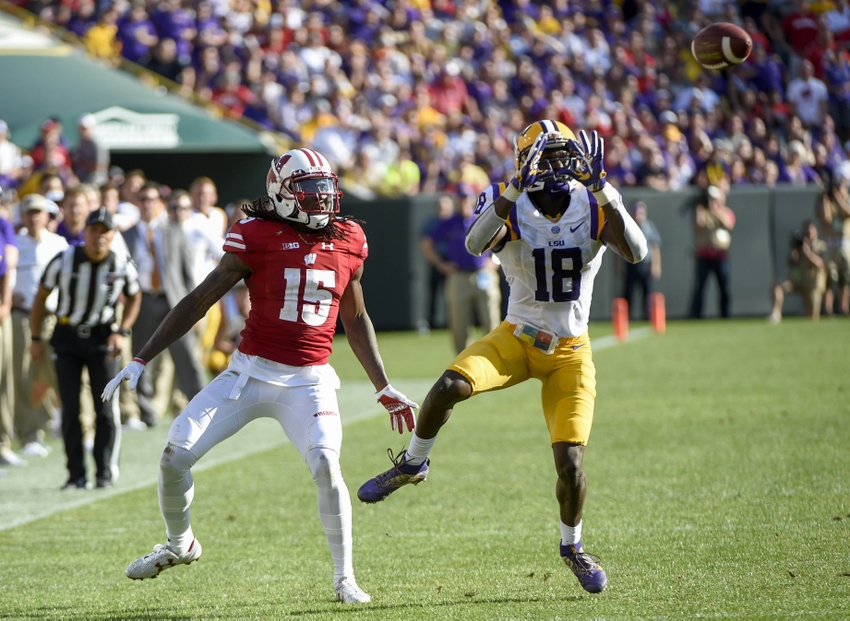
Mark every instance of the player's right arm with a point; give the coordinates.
(489, 228)
(182, 317)
(195, 305)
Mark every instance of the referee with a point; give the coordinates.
(90, 279)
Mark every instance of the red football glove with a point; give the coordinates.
(400, 408)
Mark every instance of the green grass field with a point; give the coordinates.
(718, 486)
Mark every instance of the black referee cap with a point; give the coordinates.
(101, 216)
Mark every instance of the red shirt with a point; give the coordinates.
(295, 288)
(800, 29)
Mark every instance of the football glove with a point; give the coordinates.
(530, 173)
(400, 408)
(131, 372)
(587, 161)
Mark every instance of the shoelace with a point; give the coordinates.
(156, 550)
(582, 562)
(397, 460)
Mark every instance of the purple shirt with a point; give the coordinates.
(73, 240)
(7, 238)
(131, 48)
(451, 235)
(172, 25)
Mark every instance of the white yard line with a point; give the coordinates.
(32, 492)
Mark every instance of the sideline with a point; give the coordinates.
(32, 492)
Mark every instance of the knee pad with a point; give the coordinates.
(323, 464)
(176, 461)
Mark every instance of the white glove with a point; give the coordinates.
(132, 372)
(400, 408)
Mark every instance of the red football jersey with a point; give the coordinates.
(295, 288)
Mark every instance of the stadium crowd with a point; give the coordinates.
(411, 96)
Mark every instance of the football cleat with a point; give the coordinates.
(348, 592)
(150, 565)
(401, 474)
(586, 568)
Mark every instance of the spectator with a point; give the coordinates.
(90, 160)
(713, 223)
(699, 96)
(166, 62)
(838, 20)
(11, 164)
(834, 214)
(837, 77)
(8, 263)
(204, 244)
(101, 40)
(808, 96)
(642, 275)
(34, 381)
(204, 198)
(797, 170)
(437, 256)
(75, 209)
(472, 283)
(137, 34)
(807, 273)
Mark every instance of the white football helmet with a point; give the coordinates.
(300, 174)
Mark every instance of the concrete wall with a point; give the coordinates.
(395, 279)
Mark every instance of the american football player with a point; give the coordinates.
(550, 227)
(302, 264)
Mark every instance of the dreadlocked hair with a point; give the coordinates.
(258, 208)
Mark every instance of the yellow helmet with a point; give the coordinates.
(556, 132)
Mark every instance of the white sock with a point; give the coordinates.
(570, 534)
(176, 491)
(334, 509)
(418, 450)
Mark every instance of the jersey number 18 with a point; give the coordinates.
(562, 291)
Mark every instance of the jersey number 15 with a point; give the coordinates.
(316, 301)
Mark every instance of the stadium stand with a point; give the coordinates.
(446, 85)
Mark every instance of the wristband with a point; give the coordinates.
(123, 331)
(140, 361)
(512, 193)
(35, 338)
(607, 193)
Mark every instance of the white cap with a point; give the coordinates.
(55, 195)
(714, 192)
(87, 120)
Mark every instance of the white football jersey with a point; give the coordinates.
(550, 264)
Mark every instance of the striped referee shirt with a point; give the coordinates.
(88, 292)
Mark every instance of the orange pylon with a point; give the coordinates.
(620, 318)
(657, 312)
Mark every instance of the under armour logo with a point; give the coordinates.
(327, 246)
(309, 259)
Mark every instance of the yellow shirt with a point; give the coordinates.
(100, 41)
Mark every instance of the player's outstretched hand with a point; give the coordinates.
(132, 372)
(400, 408)
(588, 160)
(529, 172)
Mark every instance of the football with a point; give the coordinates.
(721, 45)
